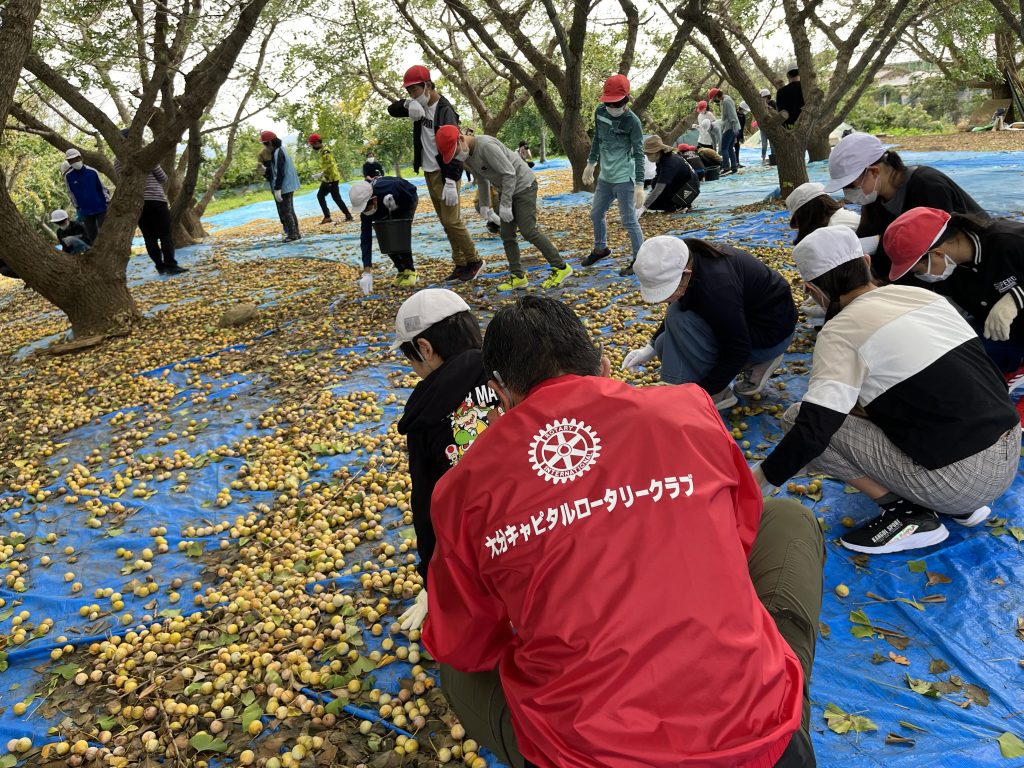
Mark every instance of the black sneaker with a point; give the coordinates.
(595, 256)
(471, 270)
(175, 270)
(493, 228)
(455, 274)
(627, 270)
(901, 527)
(161, 270)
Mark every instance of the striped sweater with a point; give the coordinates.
(155, 183)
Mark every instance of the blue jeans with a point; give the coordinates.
(730, 160)
(688, 349)
(765, 146)
(604, 194)
(75, 245)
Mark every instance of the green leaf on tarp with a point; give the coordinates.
(67, 671)
(859, 617)
(895, 738)
(922, 687)
(850, 489)
(1017, 532)
(220, 642)
(192, 688)
(912, 727)
(204, 742)
(877, 658)
(7, 612)
(843, 722)
(335, 706)
(861, 632)
(911, 603)
(917, 566)
(937, 667)
(407, 533)
(937, 578)
(106, 723)
(252, 712)
(899, 642)
(1010, 745)
(824, 630)
(999, 530)
(170, 613)
(198, 462)
(195, 548)
(272, 677)
(8, 761)
(247, 698)
(361, 666)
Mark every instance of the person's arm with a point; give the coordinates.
(366, 239)
(159, 174)
(499, 161)
(654, 194)
(636, 138)
(595, 146)
(398, 108)
(100, 188)
(279, 174)
(721, 307)
(467, 627)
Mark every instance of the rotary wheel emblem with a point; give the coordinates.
(564, 450)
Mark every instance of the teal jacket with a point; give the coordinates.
(619, 146)
(283, 175)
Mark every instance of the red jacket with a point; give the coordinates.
(610, 527)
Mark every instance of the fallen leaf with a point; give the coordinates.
(859, 561)
(895, 738)
(1010, 745)
(998, 581)
(824, 630)
(861, 632)
(899, 642)
(843, 722)
(937, 578)
(902, 660)
(1017, 532)
(877, 658)
(911, 603)
(912, 727)
(859, 617)
(917, 566)
(204, 742)
(937, 667)
(953, 685)
(922, 687)
(933, 599)
(976, 694)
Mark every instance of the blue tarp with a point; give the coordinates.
(975, 630)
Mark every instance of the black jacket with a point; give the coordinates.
(444, 115)
(923, 186)
(372, 170)
(444, 415)
(73, 229)
(790, 99)
(747, 304)
(672, 175)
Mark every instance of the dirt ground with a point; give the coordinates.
(985, 141)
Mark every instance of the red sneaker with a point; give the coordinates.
(1015, 379)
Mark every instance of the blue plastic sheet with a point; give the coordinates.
(975, 630)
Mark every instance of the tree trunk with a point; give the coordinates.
(789, 154)
(543, 144)
(101, 303)
(819, 147)
(184, 200)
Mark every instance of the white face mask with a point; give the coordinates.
(78, 165)
(423, 99)
(461, 155)
(857, 197)
(616, 111)
(928, 277)
(370, 158)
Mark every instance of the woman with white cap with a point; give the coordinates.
(727, 314)
(977, 263)
(811, 207)
(903, 404)
(877, 179)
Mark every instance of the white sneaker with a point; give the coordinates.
(971, 519)
(756, 377)
(725, 399)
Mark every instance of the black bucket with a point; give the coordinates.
(711, 172)
(394, 235)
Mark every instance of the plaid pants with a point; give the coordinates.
(861, 449)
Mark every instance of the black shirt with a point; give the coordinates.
(695, 162)
(673, 171)
(790, 99)
(372, 169)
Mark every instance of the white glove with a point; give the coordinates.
(485, 213)
(1000, 318)
(640, 212)
(415, 110)
(494, 218)
(638, 196)
(638, 357)
(278, 196)
(416, 613)
(588, 174)
(389, 203)
(761, 480)
(506, 213)
(869, 244)
(366, 283)
(450, 195)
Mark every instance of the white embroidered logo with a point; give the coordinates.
(564, 450)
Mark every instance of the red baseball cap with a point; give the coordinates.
(616, 88)
(911, 236)
(267, 136)
(447, 138)
(313, 138)
(712, 92)
(702, 106)
(416, 74)
(681, 147)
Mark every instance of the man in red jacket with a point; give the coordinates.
(603, 565)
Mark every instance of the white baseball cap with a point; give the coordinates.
(825, 249)
(659, 265)
(422, 310)
(850, 157)
(58, 216)
(804, 194)
(72, 153)
(765, 92)
(359, 195)
(744, 106)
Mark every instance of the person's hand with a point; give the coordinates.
(415, 110)
(588, 174)
(416, 613)
(366, 283)
(506, 213)
(494, 218)
(638, 357)
(450, 195)
(869, 244)
(638, 195)
(278, 196)
(389, 203)
(762, 481)
(485, 213)
(1000, 318)
(640, 212)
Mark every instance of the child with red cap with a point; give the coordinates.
(618, 146)
(330, 179)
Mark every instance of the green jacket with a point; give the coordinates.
(619, 146)
(328, 166)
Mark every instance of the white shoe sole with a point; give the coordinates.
(978, 516)
(726, 404)
(756, 390)
(913, 541)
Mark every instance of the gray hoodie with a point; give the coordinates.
(493, 163)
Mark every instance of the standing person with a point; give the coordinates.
(284, 182)
(428, 110)
(789, 101)
(877, 180)
(525, 661)
(70, 234)
(675, 185)
(371, 168)
(728, 314)
(155, 220)
(977, 263)
(385, 197)
(704, 122)
(903, 404)
(730, 129)
(497, 166)
(88, 194)
(329, 180)
(446, 412)
(618, 146)
(525, 154)
(743, 112)
(765, 144)
(811, 207)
